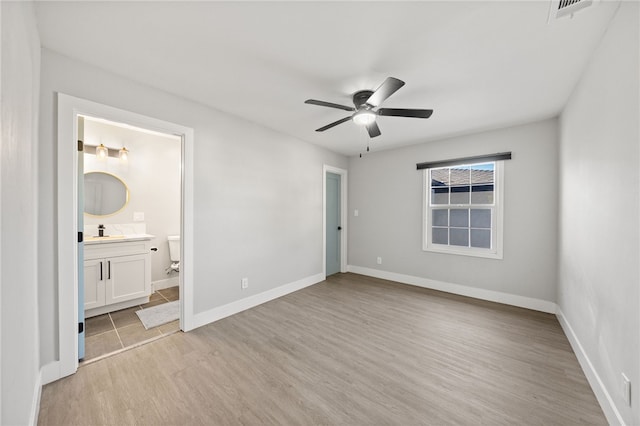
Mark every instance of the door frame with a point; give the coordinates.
(69, 108)
(343, 217)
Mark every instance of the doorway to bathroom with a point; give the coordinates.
(129, 186)
(69, 232)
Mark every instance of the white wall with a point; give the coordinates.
(258, 193)
(20, 370)
(152, 175)
(599, 247)
(386, 189)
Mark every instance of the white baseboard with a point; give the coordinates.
(462, 290)
(35, 403)
(232, 308)
(166, 283)
(604, 398)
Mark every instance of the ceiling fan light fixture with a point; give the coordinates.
(364, 117)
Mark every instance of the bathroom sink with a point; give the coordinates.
(106, 237)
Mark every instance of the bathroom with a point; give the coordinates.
(144, 167)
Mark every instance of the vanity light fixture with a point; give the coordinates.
(102, 152)
(123, 154)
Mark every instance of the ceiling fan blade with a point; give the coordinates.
(373, 129)
(329, 104)
(335, 123)
(400, 112)
(386, 89)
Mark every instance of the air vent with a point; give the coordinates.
(560, 8)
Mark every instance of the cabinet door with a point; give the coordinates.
(94, 282)
(128, 277)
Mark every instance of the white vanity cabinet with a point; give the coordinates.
(117, 275)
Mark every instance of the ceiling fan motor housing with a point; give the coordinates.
(360, 97)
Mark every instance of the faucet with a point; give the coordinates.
(101, 230)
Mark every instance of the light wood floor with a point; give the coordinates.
(351, 350)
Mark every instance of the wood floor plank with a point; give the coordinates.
(351, 350)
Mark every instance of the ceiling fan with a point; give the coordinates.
(365, 101)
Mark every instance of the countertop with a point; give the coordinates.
(117, 238)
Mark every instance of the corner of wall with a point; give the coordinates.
(598, 273)
(599, 389)
(20, 85)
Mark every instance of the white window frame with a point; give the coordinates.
(497, 218)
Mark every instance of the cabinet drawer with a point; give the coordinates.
(97, 251)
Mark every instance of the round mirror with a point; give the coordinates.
(104, 194)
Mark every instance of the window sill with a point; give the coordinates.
(487, 254)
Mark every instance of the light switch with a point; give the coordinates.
(355, 212)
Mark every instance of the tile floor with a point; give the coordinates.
(117, 330)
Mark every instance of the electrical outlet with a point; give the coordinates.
(138, 216)
(379, 260)
(626, 389)
(245, 283)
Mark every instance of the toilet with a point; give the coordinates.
(174, 253)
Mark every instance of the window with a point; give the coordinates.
(463, 209)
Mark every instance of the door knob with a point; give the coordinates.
(339, 228)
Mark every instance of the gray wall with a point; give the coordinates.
(152, 175)
(386, 189)
(599, 231)
(258, 193)
(20, 370)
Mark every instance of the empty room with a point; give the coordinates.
(320, 212)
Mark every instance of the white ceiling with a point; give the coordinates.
(478, 64)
